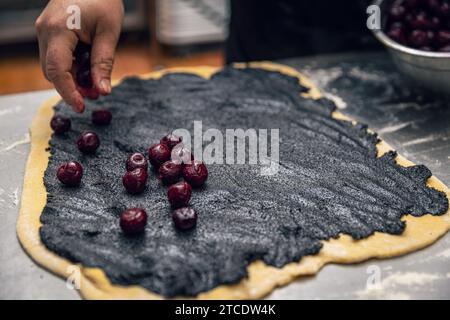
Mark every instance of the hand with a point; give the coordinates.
(101, 22)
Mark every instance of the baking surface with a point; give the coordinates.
(20, 278)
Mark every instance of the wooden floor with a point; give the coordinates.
(22, 73)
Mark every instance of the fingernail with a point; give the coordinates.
(79, 106)
(105, 85)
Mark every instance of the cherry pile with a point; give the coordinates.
(70, 173)
(169, 158)
(420, 24)
(173, 162)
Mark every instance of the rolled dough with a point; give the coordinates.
(419, 233)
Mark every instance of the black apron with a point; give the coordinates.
(276, 29)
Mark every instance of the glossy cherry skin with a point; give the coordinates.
(170, 172)
(84, 78)
(101, 117)
(397, 12)
(158, 154)
(136, 160)
(171, 140)
(418, 38)
(133, 221)
(82, 55)
(179, 194)
(88, 142)
(195, 173)
(398, 35)
(60, 124)
(184, 218)
(443, 38)
(70, 173)
(135, 181)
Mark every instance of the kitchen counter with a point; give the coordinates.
(364, 86)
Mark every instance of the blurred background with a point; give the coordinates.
(157, 34)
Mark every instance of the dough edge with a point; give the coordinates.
(262, 279)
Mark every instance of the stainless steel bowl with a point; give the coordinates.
(427, 69)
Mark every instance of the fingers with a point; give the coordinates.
(58, 65)
(102, 60)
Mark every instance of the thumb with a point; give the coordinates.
(102, 60)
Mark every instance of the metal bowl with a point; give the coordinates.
(427, 69)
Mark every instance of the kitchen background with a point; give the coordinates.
(156, 34)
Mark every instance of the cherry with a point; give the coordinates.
(421, 21)
(184, 218)
(444, 10)
(171, 140)
(135, 181)
(179, 194)
(180, 154)
(397, 12)
(398, 35)
(136, 160)
(158, 154)
(88, 142)
(60, 124)
(443, 38)
(133, 221)
(413, 4)
(418, 38)
(435, 22)
(84, 78)
(82, 55)
(101, 117)
(445, 49)
(195, 173)
(170, 172)
(70, 173)
(434, 5)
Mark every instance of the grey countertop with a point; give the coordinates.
(365, 87)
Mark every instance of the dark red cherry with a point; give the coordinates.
(70, 173)
(397, 12)
(133, 221)
(434, 5)
(421, 21)
(88, 142)
(136, 160)
(179, 194)
(413, 4)
(445, 49)
(60, 124)
(428, 49)
(158, 154)
(444, 10)
(171, 140)
(435, 23)
(443, 38)
(398, 35)
(82, 54)
(180, 154)
(84, 78)
(170, 172)
(195, 173)
(135, 181)
(101, 117)
(184, 218)
(418, 38)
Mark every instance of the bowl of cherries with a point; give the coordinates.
(417, 35)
